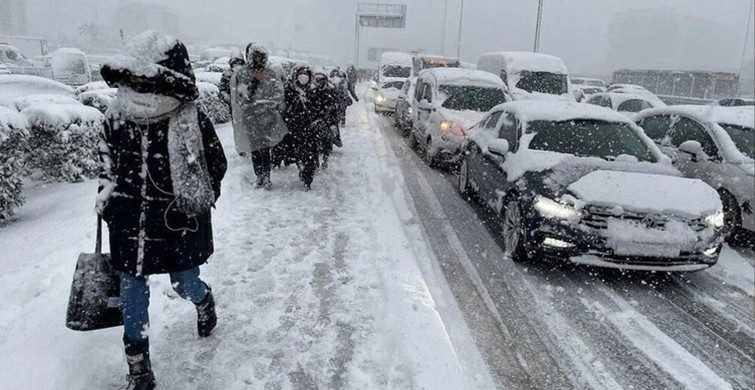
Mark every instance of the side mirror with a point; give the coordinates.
(499, 147)
(401, 96)
(694, 149)
(425, 105)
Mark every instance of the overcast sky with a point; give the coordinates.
(580, 31)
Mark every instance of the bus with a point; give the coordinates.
(690, 84)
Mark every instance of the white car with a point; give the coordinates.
(627, 104)
(587, 82)
(406, 108)
(734, 102)
(450, 102)
(387, 96)
(13, 87)
(583, 91)
(625, 86)
(583, 183)
(530, 76)
(716, 145)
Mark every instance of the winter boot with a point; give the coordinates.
(207, 319)
(140, 375)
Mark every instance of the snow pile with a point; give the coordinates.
(13, 139)
(93, 86)
(63, 142)
(15, 86)
(46, 99)
(209, 77)
(98, 98)
(688, 198)
(209, 99)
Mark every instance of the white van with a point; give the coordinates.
(530, 76)
(394, 66)
(71, 67)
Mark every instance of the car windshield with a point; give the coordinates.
(467, 97)
(396, 71)
(68, 63)
(589, 138)
(393, 84)
(743, 137)
(544, 82)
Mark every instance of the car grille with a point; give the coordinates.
(598, 217)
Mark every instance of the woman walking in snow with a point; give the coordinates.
(256, 98)
(299, 119)
(325, 105)
(236, 62)
(162, 165)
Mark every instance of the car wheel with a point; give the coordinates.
(430, 157)
(465, 189)
(413, 143)
(514, 232)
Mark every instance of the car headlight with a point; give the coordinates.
(380, 99)
(410, 110)
(445, 126)
(549, 208)
(716, 219)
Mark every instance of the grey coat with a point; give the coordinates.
(257, 123)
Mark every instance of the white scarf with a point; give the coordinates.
(143, 106)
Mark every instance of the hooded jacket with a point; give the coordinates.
(149, 233)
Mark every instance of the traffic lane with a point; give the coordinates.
(584, 294)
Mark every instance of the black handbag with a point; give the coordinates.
(95, 301)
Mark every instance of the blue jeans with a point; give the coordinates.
(135, 300)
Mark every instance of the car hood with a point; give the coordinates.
(748, 168)
(390, 93)
(646, 193)
(466, 118)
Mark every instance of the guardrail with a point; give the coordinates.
(32, 71)
(676, 100)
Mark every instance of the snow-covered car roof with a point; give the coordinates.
(557, 111)
(14, 86)
(586, 79)
(618, 98)
(516, 61)
(94, 85)
(55, 114)
(625, 86)
(395, 58)
(34, 100)
(649, 96)
(739, 116)
(460, 76)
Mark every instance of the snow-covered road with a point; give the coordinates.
(330, 289)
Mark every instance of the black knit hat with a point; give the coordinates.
(153, 63)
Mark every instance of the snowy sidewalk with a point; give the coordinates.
(329, 289)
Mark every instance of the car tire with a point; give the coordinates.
(732, 217)
(430, 158)
(465, 189)
(413, 143)
(514, 232)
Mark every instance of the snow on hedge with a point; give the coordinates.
(209, 77)
(93, 86)
(63, 142)
(212, 104)
(14, 86)
(13, 138)
(98, 98)
(47, 99)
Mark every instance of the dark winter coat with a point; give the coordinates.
(140, 211)
(225, 86)
(298, 113)
(325, 104)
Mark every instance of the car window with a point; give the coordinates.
(589, 138)
(602, 101)
(492, 120)
(418, 90)
(743, 137)
(633, 105)
(407, 85)
(656, 127)
(11, 55)
(508, 131)
(686, 129)
(543, 82)
(468, 97)
(427, 92)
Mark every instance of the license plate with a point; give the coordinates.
(645, 249)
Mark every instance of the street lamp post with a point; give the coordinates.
(445, 22)
(461, 22)
(744, 48)
(537, 27)
(356, 40)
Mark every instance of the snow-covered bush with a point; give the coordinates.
(63, 142)
(93, 86)
(99, 98)
(13, 138)
(209, 77)
(42, 98)
(212, 104)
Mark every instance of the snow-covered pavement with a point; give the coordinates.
(331, 289)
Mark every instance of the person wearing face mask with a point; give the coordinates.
(300, 120)
(325, 108)
(257, 98)
(161, 169)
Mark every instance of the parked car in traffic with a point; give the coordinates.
(449, 102)
(583, 92)
(71, 67)
(406, 107)
(583, 183)
(13, 87)
(11, 56)
(387, 96)
(613, 87)
(394, 66)
(588, 82)
(627, 104)
(716, 145)
(734, 102)
(529, 75)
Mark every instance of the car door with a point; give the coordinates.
(425, 109)
(403, 103)
(476, 159)
(656, 127)
(687, 129)
(496, 179)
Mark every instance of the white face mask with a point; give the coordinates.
(303, 79)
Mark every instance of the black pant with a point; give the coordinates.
(307, 158)
(261, 163)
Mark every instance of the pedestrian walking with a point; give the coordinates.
(352, 77)
(257, 98)
(237, 61)
(301, 123)
(162, 165)
(325, 107)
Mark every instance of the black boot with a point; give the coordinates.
(207, 319)
(140, 375)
